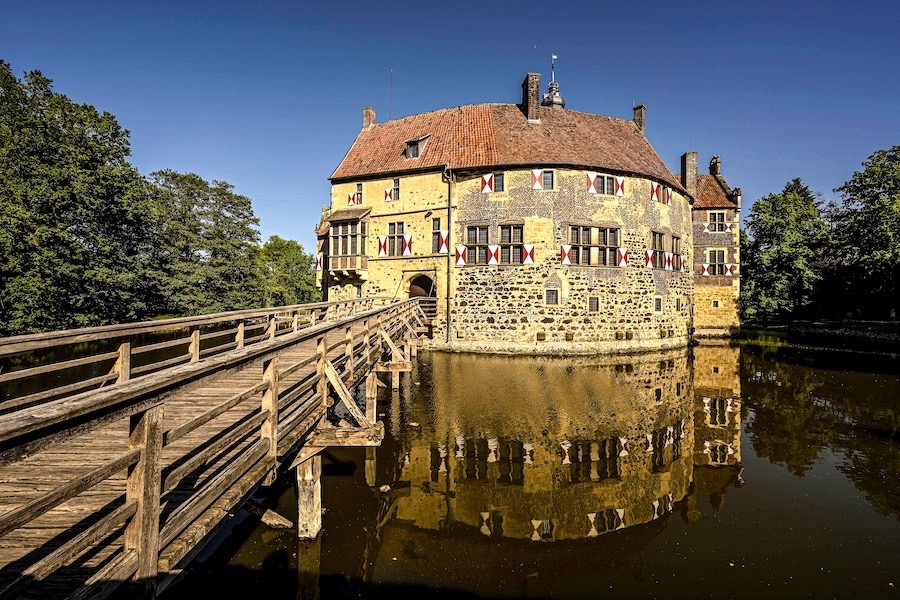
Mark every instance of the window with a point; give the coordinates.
(657, 304)
(715, 304)
(593, 304)
(476, 242)
(347, 238)
(593, 460)
(606, 184)
(716, 262)
(414, 147)
(499, 183)
(658, 247)
(548, 180)
(435, 236)
(593, 245)
(396, 194)
(716, 221)
(676, 253)
(511, 244)
(551, 297)
(677, 303)
(395, 239)
(359, 195)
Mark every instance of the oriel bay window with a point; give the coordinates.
(348, 242)
(477, 244)
(594, 246)
(511, 237)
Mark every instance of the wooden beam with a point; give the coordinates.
(144, 486)
(396, 365)
(348, 436)
(396, 354)
(269, 429)
(344, 395)
(309, 498)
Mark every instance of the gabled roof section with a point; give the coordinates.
(498, 135)
(348, 214)
(712, 194)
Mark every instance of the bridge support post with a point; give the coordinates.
(309, 561)
(371, 466)
(239, 336)
(269, 428)
(194, 346)
(123, 363)
(144, 487)
(309, 498)
(371, 396)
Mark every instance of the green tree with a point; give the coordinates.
(208, 245)
(76, 218)
(867, 232)
(783, 260)
(288, 273)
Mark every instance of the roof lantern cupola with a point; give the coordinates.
(553, 98)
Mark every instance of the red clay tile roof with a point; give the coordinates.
(496, 135)
(710, 194)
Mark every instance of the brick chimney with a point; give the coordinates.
(640, 115)
(368, 117)
(531, 96)
(689, 172)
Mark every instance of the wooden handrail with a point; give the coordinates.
(245, 449)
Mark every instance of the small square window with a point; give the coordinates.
(593, 304)
(551, 297)
(548, 180)
(715, 304)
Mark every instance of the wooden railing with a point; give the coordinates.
(429, 306)
(181, 475)
(40, 367)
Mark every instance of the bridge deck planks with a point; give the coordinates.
(31, 478)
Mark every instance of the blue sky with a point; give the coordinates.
(268, 96)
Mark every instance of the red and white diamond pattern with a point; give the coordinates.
(620, 186)
(351, 199)
(654, 191)
(319, 260)
(487, 183)
(388, 194)
(668, 258)
(461, 255)
(382, 246)
(493, 255)
(537, 179)
(565, 254)
(621, 257)
(669, 196)
(443, 241)
(592, 183)
(407, 244)
(528, 254)
(648, 259)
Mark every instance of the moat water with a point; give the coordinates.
(757, 471)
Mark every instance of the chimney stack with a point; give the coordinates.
(640, 115)
(715, 166)
(368, 117)
(689, 172)
(531, 96)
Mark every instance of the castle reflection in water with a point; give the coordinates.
(492, 454)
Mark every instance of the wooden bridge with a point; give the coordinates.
(123, 449)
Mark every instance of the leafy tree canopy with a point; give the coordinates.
(288, 273)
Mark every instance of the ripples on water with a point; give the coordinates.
(762, 471)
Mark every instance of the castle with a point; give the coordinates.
(535, 228)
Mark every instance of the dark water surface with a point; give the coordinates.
(761, 471)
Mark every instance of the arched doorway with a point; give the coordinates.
(423, 286)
